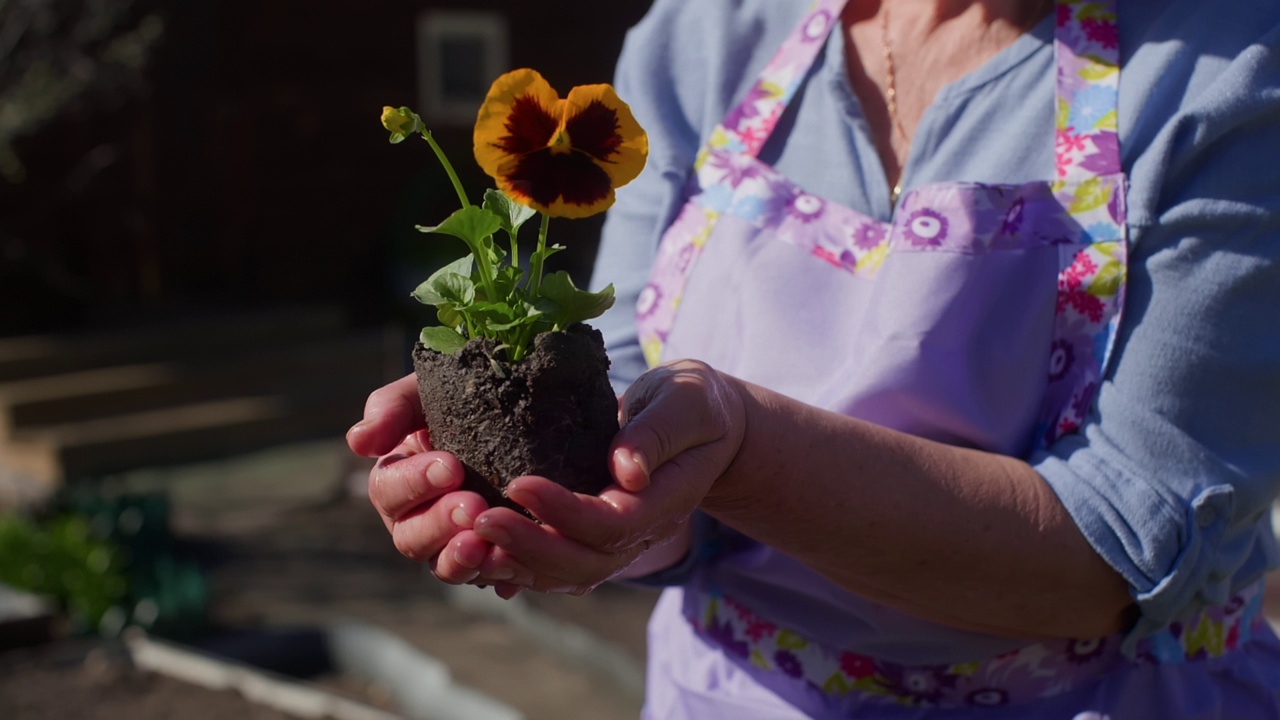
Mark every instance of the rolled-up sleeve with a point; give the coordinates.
(1173, 476)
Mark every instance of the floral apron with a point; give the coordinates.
(981, 315)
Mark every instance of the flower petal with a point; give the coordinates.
(519, 115)
(601, 125)
(570, 185)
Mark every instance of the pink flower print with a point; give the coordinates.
(753, 137)
(1067, 426)
(988, 697)
(1103, 32)
(1232, 640)
(748, 108)
(1066, 141)
(1081, 268)
(869, 234)
(926, 228)
(1064, 14)
(827, 256)
(1073, 291)
(759, 628)
(1089, 306)
(648, 301)
(857, 666)
(806, 208)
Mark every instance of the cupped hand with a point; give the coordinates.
(416, 489)
(682, 426)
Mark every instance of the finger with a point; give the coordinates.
(391, 413)
(671, 410)
(460, 560)
(545, 560)
(501, 568)
(400, 482)
(506, 591)
(609, 522)
(425, 533)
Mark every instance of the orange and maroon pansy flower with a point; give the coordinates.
(561, 156)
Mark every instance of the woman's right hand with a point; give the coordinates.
(416, 489)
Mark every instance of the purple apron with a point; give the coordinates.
(981, 315)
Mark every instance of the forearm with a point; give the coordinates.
(962, 537)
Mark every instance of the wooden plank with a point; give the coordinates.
(44, 355)
(369, 358)
(60, 454)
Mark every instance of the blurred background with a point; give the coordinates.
(206, 254)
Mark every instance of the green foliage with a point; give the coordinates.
(486, 294)
(108, 562)
(62, 560)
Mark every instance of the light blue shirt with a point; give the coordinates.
(1172, 478)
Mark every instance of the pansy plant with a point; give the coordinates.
(558, 157)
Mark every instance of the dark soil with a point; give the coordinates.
(553, 414)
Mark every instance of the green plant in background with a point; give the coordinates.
(109, 562)
(62, 560)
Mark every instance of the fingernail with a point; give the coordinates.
(467, 560)
(626, 457)
(495, 535)
(460, 517)
(501, 573)
(439, 475)
(357, 428)
(641, 463)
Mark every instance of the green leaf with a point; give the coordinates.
(469, 224)
(511, 213)
(507, 279)
(565, 304)
(450, 284)
(442, 339)
(547, 251)
(450, 316)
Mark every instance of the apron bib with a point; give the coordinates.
(980, 315)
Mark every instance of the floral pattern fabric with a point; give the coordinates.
(1031, 673)
(1080, 212)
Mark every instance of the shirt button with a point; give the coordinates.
(1206, 516)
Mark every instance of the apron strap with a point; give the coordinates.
(749, 124)
(1087, 48)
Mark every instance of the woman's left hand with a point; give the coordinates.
(682, 426)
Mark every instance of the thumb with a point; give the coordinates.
(670, 410)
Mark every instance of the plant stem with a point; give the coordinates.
(515, 249)
(535, 270)
(448, 168)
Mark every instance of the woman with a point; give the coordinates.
(967, 373)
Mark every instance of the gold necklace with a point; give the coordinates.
(891, 98)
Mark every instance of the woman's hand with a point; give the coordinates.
(682, 426)
(415, 489)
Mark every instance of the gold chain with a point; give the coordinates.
(891, 96)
